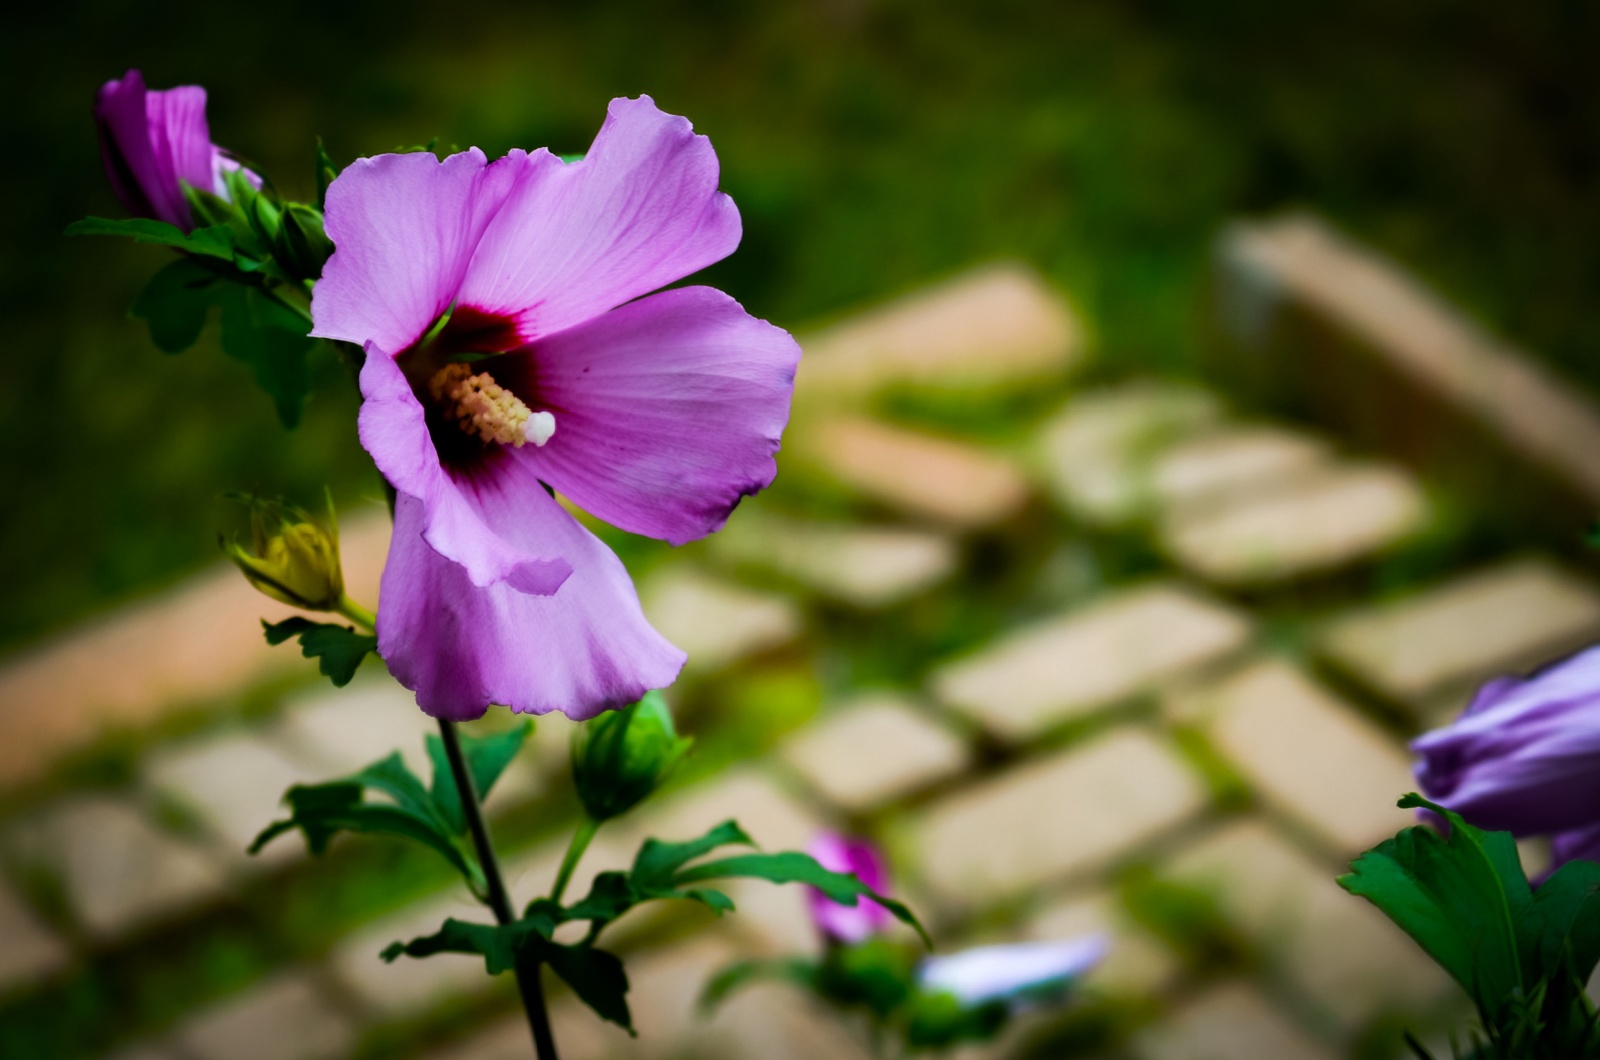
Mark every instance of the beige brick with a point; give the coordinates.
(118, 870)
(1228, 1022)
(234, 784)
(1310, 754)
(864, 566)
(714, 622)
(29, 951)
(579, 1035)
(1098, 453)
(1069, 813)
(775, 1021)
(873, 749)
(1426, 343)
(1305, 525)
(1339, 950)
(939, 479)
(410, 985)
(664, 988)
(1229, 461)
(198, 642)
(346, 729)
(1116, 647)
(1495, 621)
(1136, 965)
(996, 326)
(288, 1018)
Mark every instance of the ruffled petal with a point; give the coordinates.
(586, 649)
(403, 229)
(668, 410)
(181, 138)
(393, 428)
(640, 211)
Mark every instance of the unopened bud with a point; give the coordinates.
(622, 756)
(292, 556)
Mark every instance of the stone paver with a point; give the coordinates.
(1000, 325)
(664, 990)
(579, 1035)
(234, 783)
(1310, 754)
(775, 1021)
(1098, 453)
(873, 749)
(29, 951)
(1422, 340)
(1071, 812)
(1116, 647)
(1136, 965)
(118, 870)
(864, 566)
(1341, 952)
(346, 729)
(948, 482)
(1306, 524)
(288, 1018)
(1228, 461)
(715, 622)
(1228, 1022)
(199, 642)
(1495, 621)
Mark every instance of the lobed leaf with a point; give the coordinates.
(216, 241)
(338, 650)
(487, 758)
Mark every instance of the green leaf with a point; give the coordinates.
(657, 862)
(796, 970)
(271, 339)
(1462, 897)
(321, 817)
(791, 866)
(1566, 910)
(394, 778)
(337, 649)
(499, 945)
(487, 758)
(595, 976)
(610, 895)
(215, 241)
(175, 303)
(940, 1020)
(326, 172)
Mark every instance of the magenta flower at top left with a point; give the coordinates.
(153, 143)
(512, 344)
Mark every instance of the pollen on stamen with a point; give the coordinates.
(487, 410)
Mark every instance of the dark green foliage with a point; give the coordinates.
(487, 757)
(176, 302)
(1523, 955)
(337, 649)
(213, 241)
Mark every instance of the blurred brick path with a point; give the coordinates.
(1220, 717)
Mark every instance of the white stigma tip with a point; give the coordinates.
(539, 427)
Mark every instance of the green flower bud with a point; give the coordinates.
(622, 756)
(292, 556)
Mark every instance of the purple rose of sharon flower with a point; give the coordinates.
(849, 923)
(154, 142)
(1525, 757)
(1016, 973)
(512, 344)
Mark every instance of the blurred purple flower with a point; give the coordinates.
(1016, 973)
(849, 923)
(1525, 757)
(153, 143)
(512, 345)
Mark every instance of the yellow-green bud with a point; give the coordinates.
(292, 556)
(622, 756)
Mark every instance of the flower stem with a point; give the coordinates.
(356, 613)
(575, 849)
(528, 970)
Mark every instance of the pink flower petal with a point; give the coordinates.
(668, 411)
(150, 141)
(403, 229)
(393, 428)
(640, 211)
(586, 649)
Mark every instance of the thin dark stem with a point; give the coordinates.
(528, 971)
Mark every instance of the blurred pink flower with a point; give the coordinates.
(850, 923)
